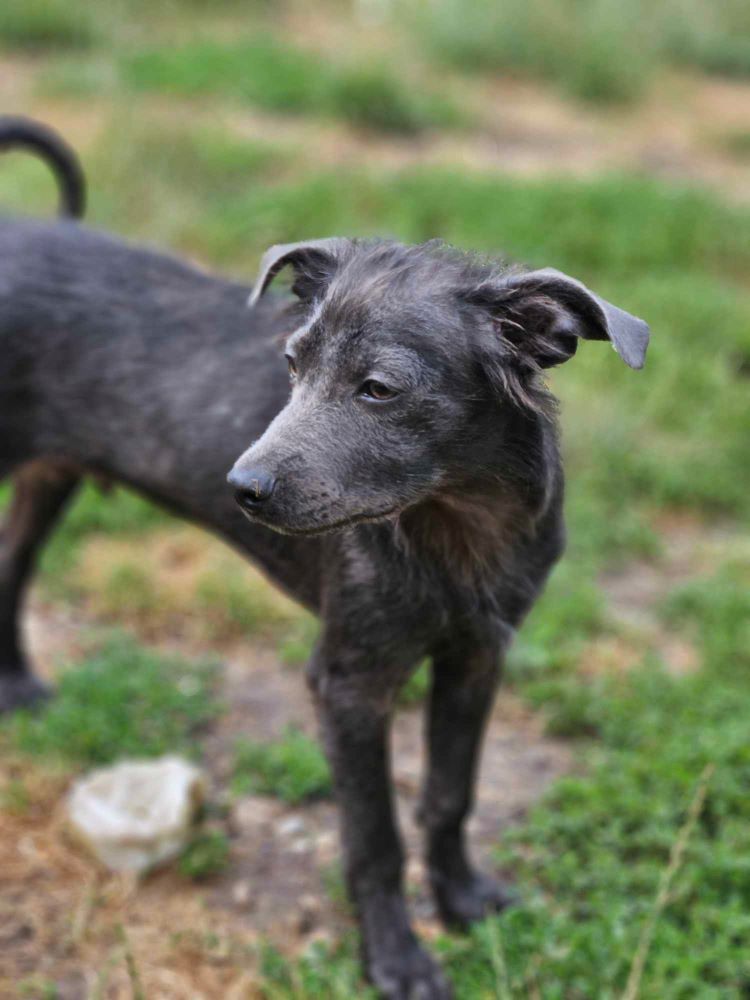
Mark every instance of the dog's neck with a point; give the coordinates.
(469, 536)
(472, 529)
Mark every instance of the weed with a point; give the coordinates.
(122, 700)
(595, 49)
(230, 604)
(736, 142)
(14, 797)
(324, 970)
(373, 97)
(292, 768)
(206, 855)
(46, 24)
(38, 988)
(264, 72)
(93, 512)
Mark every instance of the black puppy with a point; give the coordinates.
(410, 490)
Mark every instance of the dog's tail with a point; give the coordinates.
(23, 133)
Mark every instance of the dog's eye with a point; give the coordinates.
(376, 390)
(292, 367)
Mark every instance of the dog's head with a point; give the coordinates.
(411, 371)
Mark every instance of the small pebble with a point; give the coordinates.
(241, 892)
(291, 826)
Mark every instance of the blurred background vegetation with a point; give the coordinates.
(608, 139)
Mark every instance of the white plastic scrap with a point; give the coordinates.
(137, 814)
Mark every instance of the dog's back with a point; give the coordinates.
(128, 363)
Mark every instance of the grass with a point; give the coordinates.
(598, 50)
(231, 605)
(118, 512)
(296, 647)
(206, 855)
(324, 970)
(14, 797)
(36, 25)
(183, 582)
(417, 688)
(592, 861)
(95, 510)
(265, 72)
(292, 768)
(595, 50)
(736, 142)
(640, 450)
(120, 701)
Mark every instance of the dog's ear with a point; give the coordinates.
(543, 315)
(314, 263)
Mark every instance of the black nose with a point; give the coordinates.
(252, 487)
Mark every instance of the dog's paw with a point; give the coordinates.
(464, 902)
(410, 975)
(21, 690)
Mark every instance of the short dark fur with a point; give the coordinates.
(446, 496)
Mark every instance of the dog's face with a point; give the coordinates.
(409, 369)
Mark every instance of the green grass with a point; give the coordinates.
(230, 606)
(331, 971)
(736, 142)
(120, 701)
(35, 25)
(192, 170)
(711, 37)
(297, 645)
(264, 72)
(206, 855)
(38, 988)
(596, 50)
(14, 797)
(417, 688)
(292, 768)
(599, 50)
(589, 860)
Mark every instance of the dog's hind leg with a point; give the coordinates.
(41, 491)
(464, 683)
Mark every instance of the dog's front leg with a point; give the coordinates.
(465, 679)
(354, 710)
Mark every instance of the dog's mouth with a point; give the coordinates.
(366, 517)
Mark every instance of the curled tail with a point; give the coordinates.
(23, 133)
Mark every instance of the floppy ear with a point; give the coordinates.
(314, 262)
(543, 315)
